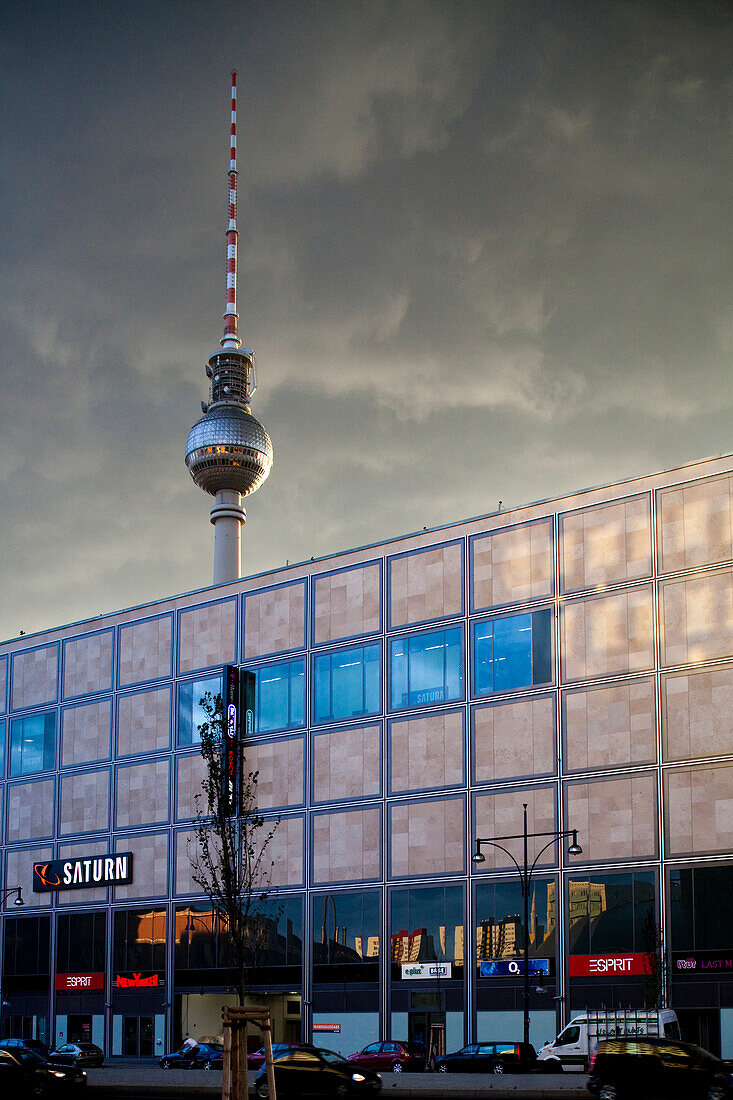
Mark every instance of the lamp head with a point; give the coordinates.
(575, 849)
(19, 899)
(478, 857)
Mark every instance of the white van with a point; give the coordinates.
(577, 1040)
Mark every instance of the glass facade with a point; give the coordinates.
(138, 940)
(500, 931)
(700, 920)
(608, 912)
(33, 744)
(512, 652)
(427, 924)
(426, 668)
(280, 696)
(346, 936)
(190, 712)
(81, 942)
(347, 683)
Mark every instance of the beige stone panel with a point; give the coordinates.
(30, 810)
(615, 818)
(35, 677)
(3, 684)
(346, 604)
(280, 766)
(88, 664)
(426, 751)
(426, 585)
(501, 814)
(696, 524)
(185, 852)
(607, 544)
(142, 793)
(143, 721)
(697, 618)
(699, 810)
(512, 565)
(190, 773)
(608, 635)
(610, 726)
(697, 713)
(286, 851)
(82, 850)
(346, 764)
(346, 846)
(514, 739)
(274, 621)
(86, 733)
(427, 838)
(149, 866)
(84, 802)
(207, 636)
(145, 651)
(19, 872)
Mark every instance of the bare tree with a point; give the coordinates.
(229, 855)
(656, 984)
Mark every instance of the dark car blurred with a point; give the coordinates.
(257, 1058)
(78, 1054)
(27, 1044)
(489, 1058)
(664, 1069)
(202, 1056)
(24, 1073)
(313, 1071)
(392, 1057)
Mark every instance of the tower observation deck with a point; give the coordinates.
(228, 451)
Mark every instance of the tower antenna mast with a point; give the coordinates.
(228, 452)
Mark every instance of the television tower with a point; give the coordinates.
(228, 452)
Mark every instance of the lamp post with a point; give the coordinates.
(525, 872)
(13, 890)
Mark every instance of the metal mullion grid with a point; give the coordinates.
(657, 681)
(561, 925)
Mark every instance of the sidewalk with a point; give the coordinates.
(396, 1086)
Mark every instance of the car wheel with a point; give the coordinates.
(442, 1068)
(165, 1064)
(498, 1067)
(342, 1091)
(207, 1064)
(608, 1092)
(717, 1092)
(553, 1065)
(262, 1090)
(397, 1067)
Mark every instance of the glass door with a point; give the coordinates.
(137, 1036)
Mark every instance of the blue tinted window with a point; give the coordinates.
(32, 744)
(346, 683)
(426, 668)
(512, 652)
(2, 749)
(190, 712)
(280, 696)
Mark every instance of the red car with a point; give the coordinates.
(393, 1056)
(257, 1060)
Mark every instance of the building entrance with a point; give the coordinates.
(138, 1033)
(79, 1029)
(428, 1029)
(701, 1026)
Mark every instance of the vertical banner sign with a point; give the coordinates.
(247, 684)
(230, 746)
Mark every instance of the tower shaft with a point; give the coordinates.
(228, 517)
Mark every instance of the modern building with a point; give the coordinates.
(575, 655)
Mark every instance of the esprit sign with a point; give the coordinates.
(76, 983)
(75, 874)
(426, 970)
(589, 966)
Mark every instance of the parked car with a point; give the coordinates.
(202, 1056)
(392, 1057)
(26, 1044)
(78, 1054)
(257, 1058)
(664, 1069)
(313, 1071)
(23, 1073)
(489, 1058)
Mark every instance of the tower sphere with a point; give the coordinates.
(228, 449)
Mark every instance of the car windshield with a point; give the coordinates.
(88, 1047)
(331, 1057)
(27, 1055)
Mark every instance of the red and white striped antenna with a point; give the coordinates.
(231, 338)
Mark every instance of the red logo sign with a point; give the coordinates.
(48, 877)
(137, 981)
(76, 983)
(590, 966)
(336, 1028)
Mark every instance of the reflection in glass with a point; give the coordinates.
(500, 930)
(81, 942)
(346, 928)
(280, 696)
(700, 920)
(190, 712)
(512, 652)
(32, 744)
(346, 683)
(275, 936)
(26, 946)
(427, 924)
(426, 668)
(139, 940)
(607, 913)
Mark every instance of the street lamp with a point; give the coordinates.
(525, 873)
(13, 890)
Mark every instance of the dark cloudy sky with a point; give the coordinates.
(484, 254)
